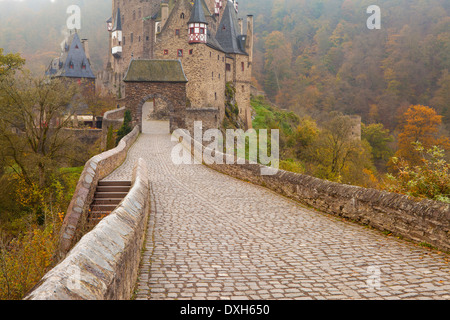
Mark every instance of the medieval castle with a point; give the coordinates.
(181, 56)
(174, 50)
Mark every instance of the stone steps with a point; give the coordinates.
(108, 195)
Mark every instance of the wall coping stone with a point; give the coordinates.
(411, 218)
(104, 264)
(97, 168)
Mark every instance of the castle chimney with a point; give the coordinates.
(85, 44)
(164, 13)
(249, 42)
(241, 25)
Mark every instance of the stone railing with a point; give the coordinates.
(95, 169)
(104, 263)
(417, 220)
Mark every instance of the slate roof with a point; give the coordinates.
(117, 21)
(71, 62)
(197, 14)
(155, 71)
(227, 33)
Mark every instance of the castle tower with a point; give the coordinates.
(117, 36)
(197, 24)
(218, 7)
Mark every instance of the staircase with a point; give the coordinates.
(107, 197)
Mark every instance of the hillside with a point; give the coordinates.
(316, 56)
(36, 28)
(311, 57)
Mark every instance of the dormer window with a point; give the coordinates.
(71, 66)
(83, 66)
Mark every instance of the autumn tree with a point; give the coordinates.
(429, 179)
(339, 156)
(33, 113)
(442, 97)
(97, 103)
(278, 56)
(9, 63)
(419, 124)
(379, 139)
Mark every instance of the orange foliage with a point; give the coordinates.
(419, 124)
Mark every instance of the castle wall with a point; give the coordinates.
(204, 66)
(173, 93)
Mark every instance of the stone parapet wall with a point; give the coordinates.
(95, 169)
(413, 219)
(112, 118)
(104, 264)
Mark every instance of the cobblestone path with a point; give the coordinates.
(211, 236)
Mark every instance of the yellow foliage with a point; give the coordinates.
(25, 260)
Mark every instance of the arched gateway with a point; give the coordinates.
(155, 91)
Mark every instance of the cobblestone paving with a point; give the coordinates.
(214, 237)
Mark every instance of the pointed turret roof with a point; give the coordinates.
(117, 21)
(73, 63)
(197, 13)
(227, 33)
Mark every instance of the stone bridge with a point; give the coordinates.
(211, 236)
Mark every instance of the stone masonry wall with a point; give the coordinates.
(173, 93)
(104, 264)
(208, 117)
(417, 220)
(95, 169)
(204, 66)
(112, 118)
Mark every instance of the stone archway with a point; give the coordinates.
(155, 114)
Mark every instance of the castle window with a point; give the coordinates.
(215, 95)
(166, 52)
(147, 38)
(202, 30)
(180, 53)
(228, 67)
(177, 32)
(191, 51)
(134, 15)
(123, 40)
(242, 66)
(131, 37)
(182, 15)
